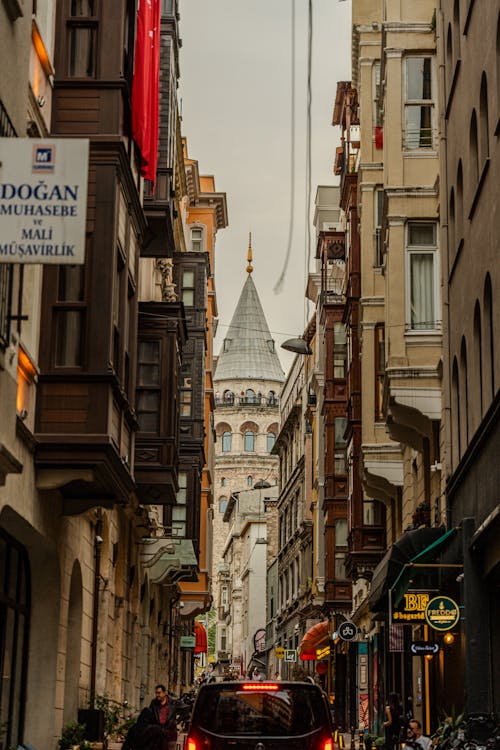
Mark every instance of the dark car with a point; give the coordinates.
(260, 716)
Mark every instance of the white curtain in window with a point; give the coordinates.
(422, 291)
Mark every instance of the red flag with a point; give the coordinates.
(145, 85)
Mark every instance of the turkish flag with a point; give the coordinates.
(145, 86)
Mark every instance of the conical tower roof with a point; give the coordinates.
(248, 350)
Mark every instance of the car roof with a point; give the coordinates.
(289, 685)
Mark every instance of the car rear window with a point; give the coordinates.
(283, 712)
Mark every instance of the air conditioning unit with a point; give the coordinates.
(331, 226)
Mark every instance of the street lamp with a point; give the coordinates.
(298, 345)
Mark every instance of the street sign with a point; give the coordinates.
(188, 641)
(347, 631)
(290, 655)
(280, 652)
(442, 613)
(421, 648)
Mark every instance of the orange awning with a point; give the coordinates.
(201, 638)
(318, 635)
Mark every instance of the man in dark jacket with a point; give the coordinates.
(163, 710)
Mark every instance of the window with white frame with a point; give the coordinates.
(196, 239)
(419, 105)
(422, 287)
(223, 639)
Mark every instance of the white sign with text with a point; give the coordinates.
(43, 200)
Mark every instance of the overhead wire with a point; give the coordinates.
(307, 254)
(279, 284)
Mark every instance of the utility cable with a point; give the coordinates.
(307, 258)
(279, 284)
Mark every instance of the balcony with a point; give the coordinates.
(231, 402)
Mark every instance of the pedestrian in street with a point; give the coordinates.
(393, 722)
(162, 708)
(415, 734)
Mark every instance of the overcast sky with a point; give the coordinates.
(235, 88)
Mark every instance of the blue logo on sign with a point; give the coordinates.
(44, 158)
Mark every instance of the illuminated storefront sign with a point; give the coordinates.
(412, 607)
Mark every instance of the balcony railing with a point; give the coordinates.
(262, 401)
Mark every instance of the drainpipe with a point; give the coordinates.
(95, 607)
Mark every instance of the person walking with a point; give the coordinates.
(393, 723)
(162, 708)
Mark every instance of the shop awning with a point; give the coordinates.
(317, 635)
(418, 545)
(201, 638)
(427, 555)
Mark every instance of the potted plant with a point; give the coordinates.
(73, 736)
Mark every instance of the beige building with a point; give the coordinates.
(247, 382)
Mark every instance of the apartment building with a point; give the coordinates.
(469, 45)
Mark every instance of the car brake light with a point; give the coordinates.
(259, 686)
(191, 744)
(327, 745)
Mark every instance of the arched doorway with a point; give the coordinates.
(15, 610)
(73, 646)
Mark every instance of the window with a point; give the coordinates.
(228, 397)
(488, 343)
(271, 398)
(249, 441)
(15, 599)
(148, 386)
(464, 393)
(6, 283)
(226, 442)
(250, 396)
(196, 239)
(179, 510)
(249, 481)
(188, 288)
(222, 504)
(339, 350)
(455, 413)
(484, 145)
(379, 371)
(223, 482)
(69, 316)
(224, 595)
(373, 513)
(378, 118)
(422, 279)
(418, 103)
(340, 566)
(271, 439)
(378, 217)
(82, 35)
(474, 150)
(340, 445)
(223, 639)
(341, 532)
(478, 360)
(186, 390)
